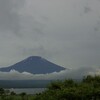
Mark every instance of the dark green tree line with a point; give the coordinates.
(87, 89)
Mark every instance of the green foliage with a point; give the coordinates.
(22, 94)
(12, 93)
(55, 85)
(2, 91)
(87, 89)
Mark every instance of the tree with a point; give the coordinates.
(7, 92)
(2, 91)
(87, 89)
(23, 95)
(12, 93)
(55, 85)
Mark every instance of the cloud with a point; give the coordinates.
(87, 9)
(9, 19)
(66, 74)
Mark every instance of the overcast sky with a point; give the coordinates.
(66, 32)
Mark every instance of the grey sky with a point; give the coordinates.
(66, 32)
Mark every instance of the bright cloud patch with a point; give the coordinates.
(74, 73)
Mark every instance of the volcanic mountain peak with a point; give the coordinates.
(34, 57)
(34, 65)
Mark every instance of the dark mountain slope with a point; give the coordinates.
(34, 65)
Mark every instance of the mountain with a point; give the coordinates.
(34, 65)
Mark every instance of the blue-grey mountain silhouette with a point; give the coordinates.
(34, 65)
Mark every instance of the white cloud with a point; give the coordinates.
(66, 74)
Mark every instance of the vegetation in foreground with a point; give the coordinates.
(87, 89)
